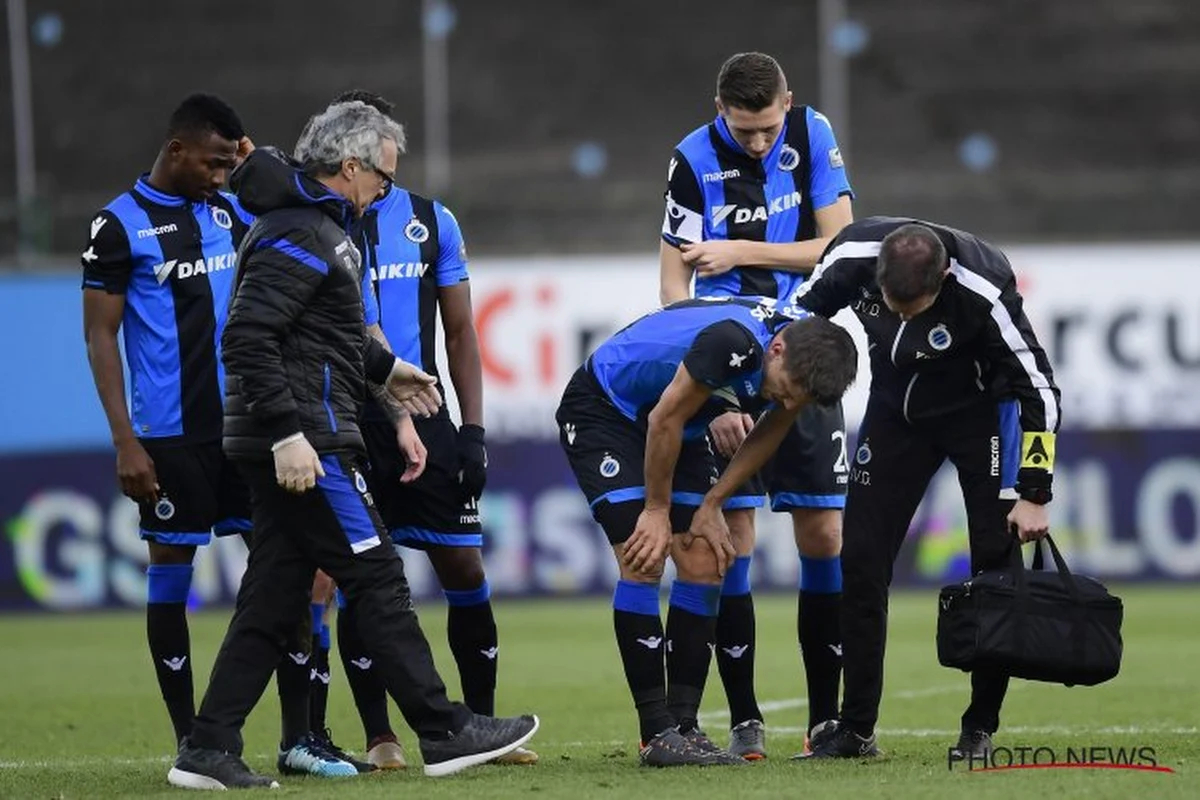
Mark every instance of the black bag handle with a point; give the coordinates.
(1064, 572)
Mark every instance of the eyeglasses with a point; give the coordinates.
(388, 180)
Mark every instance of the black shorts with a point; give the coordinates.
(201, 494)
(607, 451)
(809, 470)
(429, 511)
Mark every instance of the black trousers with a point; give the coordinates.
(893, 465)
(333, 527)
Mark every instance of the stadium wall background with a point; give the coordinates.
(1125, 343)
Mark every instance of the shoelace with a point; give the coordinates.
(325, 740)
(697, 738)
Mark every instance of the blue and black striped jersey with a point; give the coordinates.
(174, 260)
(718, 191)
(411, 247)
(720, 340)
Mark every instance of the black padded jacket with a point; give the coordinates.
(296, 353)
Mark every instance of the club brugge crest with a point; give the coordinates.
(360, 482)
(789, 158)
(415, 231)
(222, 218)
(164, 509)
(609, 466)
(863, 456)
(939, 337)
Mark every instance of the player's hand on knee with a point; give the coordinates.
(297, 465)
(1030, 521)
(728, 431)
(710, 526)
(646, 550)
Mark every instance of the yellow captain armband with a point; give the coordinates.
(1037, 451)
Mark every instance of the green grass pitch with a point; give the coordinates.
(80, 715)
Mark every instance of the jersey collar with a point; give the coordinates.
(771, 161)
(147, 191)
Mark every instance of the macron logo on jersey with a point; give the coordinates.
(407, 269)
(713, 177)
(188, 269)
(146, 233)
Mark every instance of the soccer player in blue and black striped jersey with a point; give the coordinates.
(753, 198)
(159, 268)
(633, 422)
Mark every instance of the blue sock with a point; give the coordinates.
(167, 587)
(821, 575)
(692, 631)
(737, 578)
(640, 639)
(819, 631)
(470, 597)
(471, 631)
(636, 598)
(700, 599)
(735, 637)
(168, 583)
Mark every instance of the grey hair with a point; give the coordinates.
(346, 130)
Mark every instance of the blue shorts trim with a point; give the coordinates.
(687, 498)
(620, 496)
(786, 501)
(232, 525)
(745, 501)
(192, 539)
(639, 493)
(409, 536)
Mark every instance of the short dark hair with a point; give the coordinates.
(751, 81)
(912, 263)
(821, 357)
(199, 114)
(378, 102)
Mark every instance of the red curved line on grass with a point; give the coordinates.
(1071, 765)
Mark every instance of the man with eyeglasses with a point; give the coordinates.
(426, 474)
(297, 360)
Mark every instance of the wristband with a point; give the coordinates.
(1034, 485)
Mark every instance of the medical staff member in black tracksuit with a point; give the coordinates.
(957, 373)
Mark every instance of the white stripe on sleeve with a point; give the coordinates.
(1011, 335)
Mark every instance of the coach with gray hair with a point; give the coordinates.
(297, 361)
